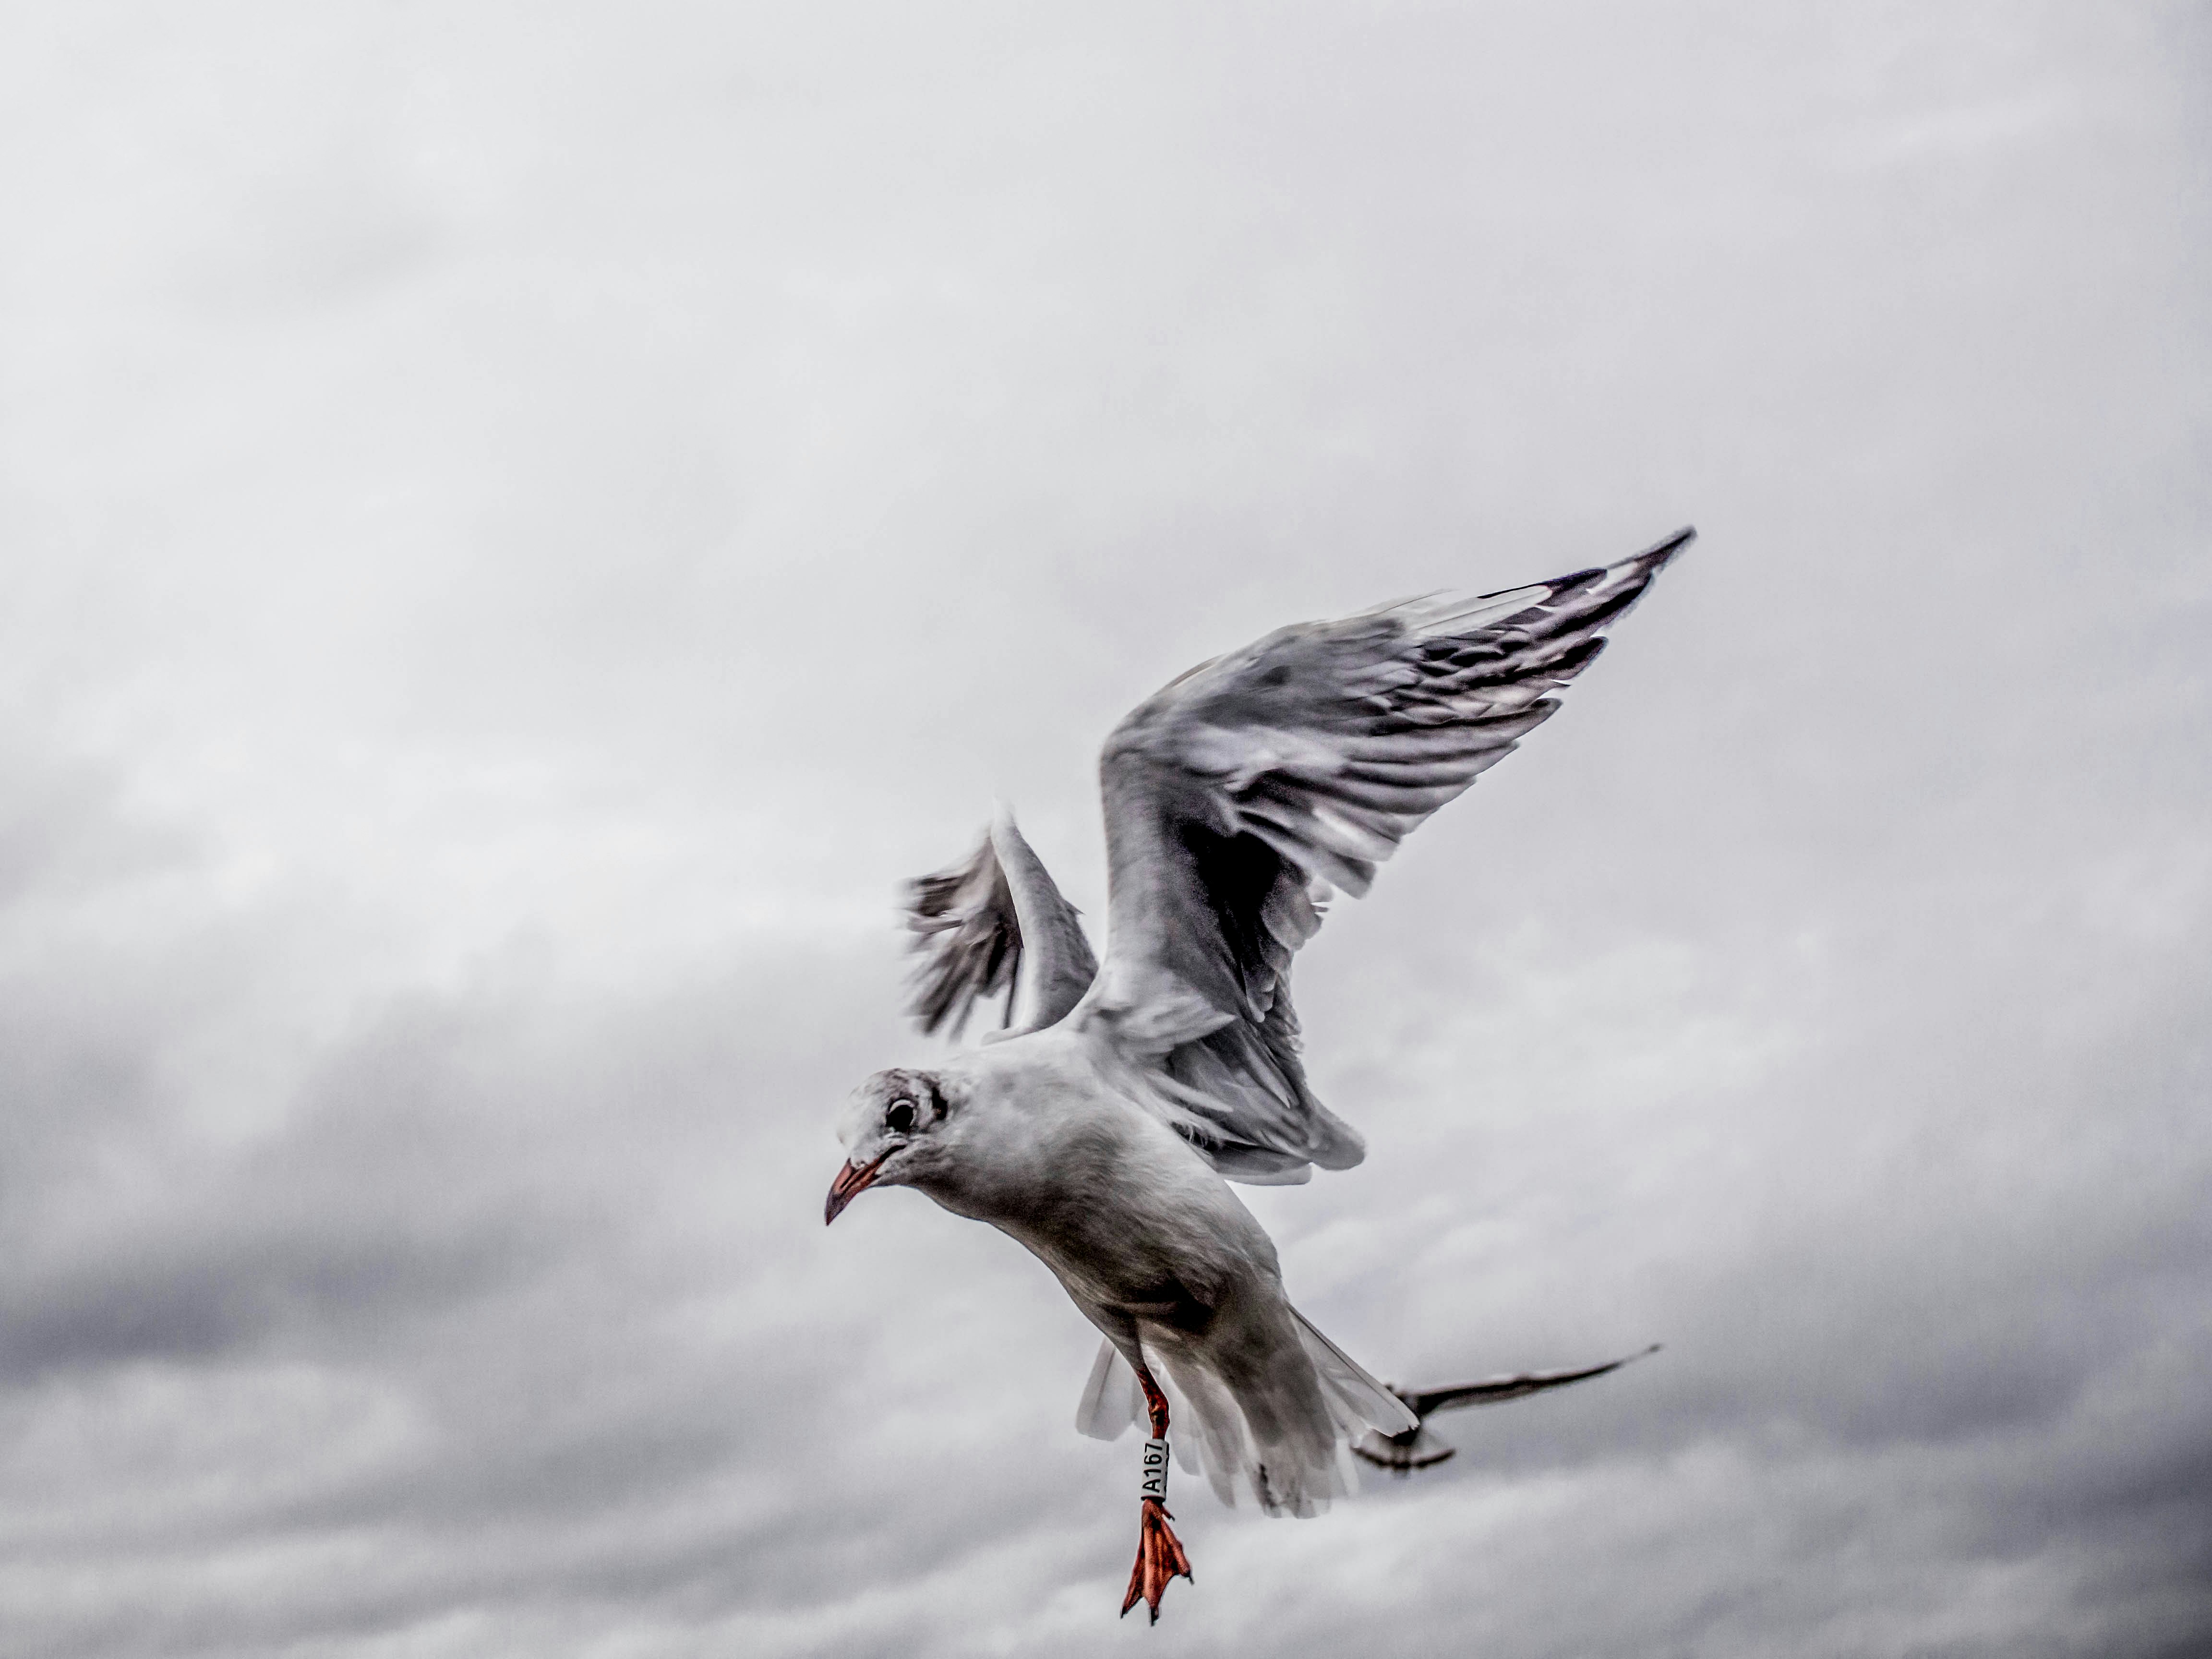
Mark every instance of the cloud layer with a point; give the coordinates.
(523, 528)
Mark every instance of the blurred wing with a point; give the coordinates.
(974, 923)
(1401, 1453)
(1237, 797)
(1499, 1389)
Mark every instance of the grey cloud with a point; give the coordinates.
(521, 536)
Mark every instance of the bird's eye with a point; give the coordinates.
(899, 1115)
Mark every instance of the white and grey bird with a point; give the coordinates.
(1103, 1130)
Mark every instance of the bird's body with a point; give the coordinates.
(1152, 1244)
(1103, 1133)
(1126, 1216)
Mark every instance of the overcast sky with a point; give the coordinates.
(521, 526)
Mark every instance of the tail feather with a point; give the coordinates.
(1289, 1471)
(1356, 1398)
(1112, 1401)
(1293, 1459)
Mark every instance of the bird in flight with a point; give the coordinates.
(1102, 1130)
(1417, 1448)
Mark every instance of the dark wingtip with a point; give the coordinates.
(1660, 552)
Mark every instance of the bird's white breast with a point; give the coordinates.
(1107, 1195)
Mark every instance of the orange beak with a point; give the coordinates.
(852, 1181)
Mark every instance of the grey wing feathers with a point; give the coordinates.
(1497, 1390)
(964, 927)
(974, 922)
(1241, 794)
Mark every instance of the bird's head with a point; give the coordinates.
(891, 1129)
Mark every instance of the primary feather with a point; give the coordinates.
(1238, 796)
(975, 923)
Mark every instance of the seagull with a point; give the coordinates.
(1417, 1448)
(1102, 1130)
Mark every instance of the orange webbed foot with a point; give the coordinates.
(1159, 1557)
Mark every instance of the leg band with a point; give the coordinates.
(1155, 1471)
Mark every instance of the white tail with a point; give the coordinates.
(1366, 1402)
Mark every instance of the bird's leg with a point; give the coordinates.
(1159, 1552)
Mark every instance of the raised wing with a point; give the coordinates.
(974, 922)
(1497, 1390)
(1244, 791)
